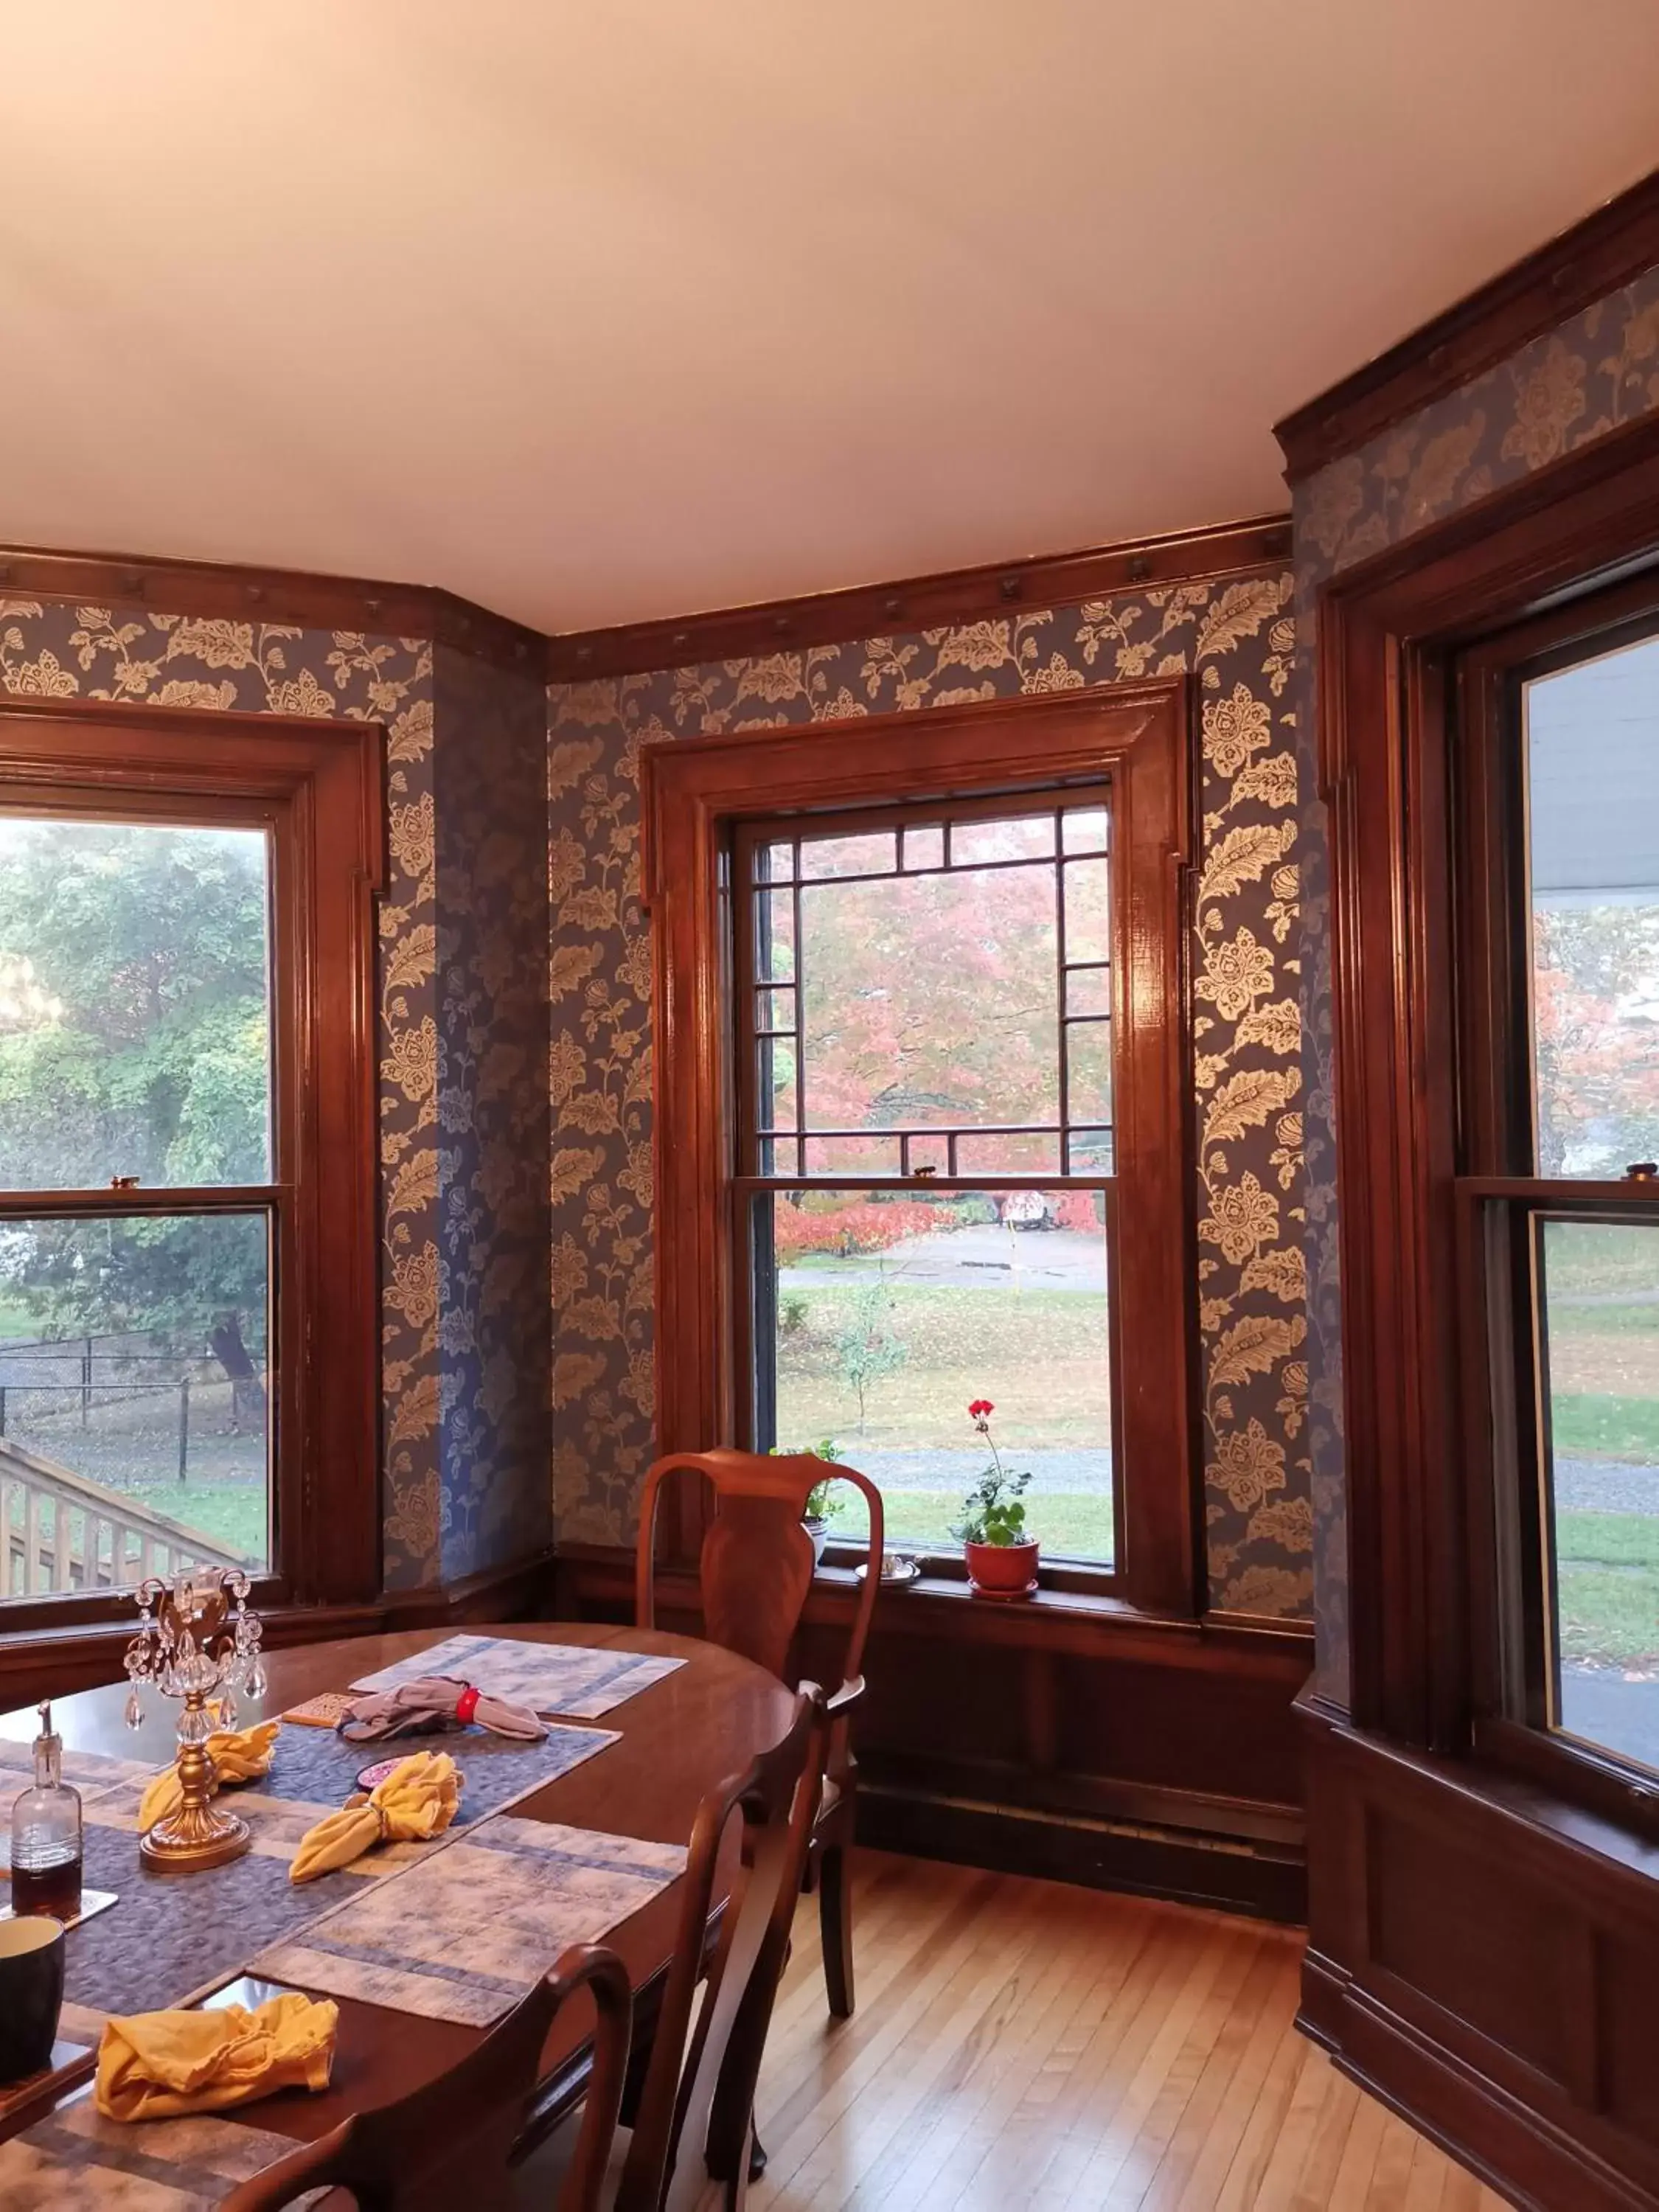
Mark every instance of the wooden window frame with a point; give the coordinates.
(317, 788)
(749, 1181)
(1502, 1199)
(1137, 738)
(1422, 1504)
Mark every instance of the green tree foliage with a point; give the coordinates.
(1595, 1018)
(134, 1041)
(868, 1349)
(930, 999)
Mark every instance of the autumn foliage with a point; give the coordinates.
(862, 1225)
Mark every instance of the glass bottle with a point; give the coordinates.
(46, 1834)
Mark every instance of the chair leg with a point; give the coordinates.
(835, 1926)
(749, 2166)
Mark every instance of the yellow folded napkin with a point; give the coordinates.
(416, 1800)
(156, 2065)
(238, 1755)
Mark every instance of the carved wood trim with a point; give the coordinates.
(271, 595)
(1608, 249)
(949, 595)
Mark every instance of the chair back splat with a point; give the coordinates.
(754, 1574)
(448, 2143)
(694, 2111)
(756, 1568)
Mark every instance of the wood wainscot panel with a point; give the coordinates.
(1067, 1737)
(1484, 1959)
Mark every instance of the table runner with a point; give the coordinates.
(467, 1932)
(572, 1679)
(76, 2159)
(171, 1936)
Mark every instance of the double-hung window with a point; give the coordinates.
(186, 1222)
(1558, 799)
(924, 1193)
(923, 1116)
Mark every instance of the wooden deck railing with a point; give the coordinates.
(61, 1531)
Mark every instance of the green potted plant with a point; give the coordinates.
(1002, 1559)
(822, 1502)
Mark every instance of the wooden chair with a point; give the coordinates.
(448, 2143)
(754, 1572)
(695, 2113)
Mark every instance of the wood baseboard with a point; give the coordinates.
(1186, 1865)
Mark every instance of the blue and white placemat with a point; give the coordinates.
(169, 1936)
(467, 1932)
(75, 2160)
(575, 1680)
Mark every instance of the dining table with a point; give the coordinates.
(678, 1737)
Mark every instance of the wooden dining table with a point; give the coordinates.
(680, 1736)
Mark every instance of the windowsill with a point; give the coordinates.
(1626, 1846)
(1048, 1610)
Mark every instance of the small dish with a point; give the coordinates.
(369, 1777)
(904, 1570)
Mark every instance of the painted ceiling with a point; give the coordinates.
(592, 315)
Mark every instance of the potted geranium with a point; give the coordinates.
(1002, 1559)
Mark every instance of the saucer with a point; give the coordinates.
(908, 1572)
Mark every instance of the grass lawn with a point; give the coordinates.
(1069, 1525)
(1601, 1425)
(1040, 1355)
(232, 1514)
(1608, 1578)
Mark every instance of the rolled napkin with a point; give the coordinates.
(158, 2065)
(436, 1701)
(238, 1755)
(417, 1801)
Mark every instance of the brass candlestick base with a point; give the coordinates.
(199, 1833)
(182, 1845)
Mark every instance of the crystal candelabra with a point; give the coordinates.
(196, 1640)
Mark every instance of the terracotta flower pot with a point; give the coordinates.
(1003, 1569)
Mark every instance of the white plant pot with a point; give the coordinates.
(819, 1532)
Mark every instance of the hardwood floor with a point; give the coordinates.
(1022, 2044)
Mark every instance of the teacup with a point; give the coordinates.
(31, 1993)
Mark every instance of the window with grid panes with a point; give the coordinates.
(925, 1173)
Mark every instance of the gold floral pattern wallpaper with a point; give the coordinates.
(493, 1122)
(433, 1525)
(1236, 634)
(1594, 371)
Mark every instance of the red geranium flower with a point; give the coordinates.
(980, 1407)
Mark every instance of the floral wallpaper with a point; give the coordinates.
(492, 1113)
(1237, 635)
(52, 649)
(1594, 371)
